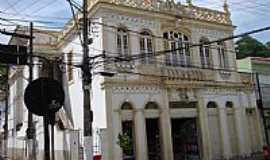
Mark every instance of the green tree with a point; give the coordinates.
(249, 46)
(267, 45)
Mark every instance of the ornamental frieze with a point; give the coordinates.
(210, 33)
(174, 8)
(136, 90)
(130, 21)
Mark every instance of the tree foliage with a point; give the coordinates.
(249, 46)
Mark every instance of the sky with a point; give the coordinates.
(246, 14)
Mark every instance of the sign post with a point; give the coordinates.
(44, 97)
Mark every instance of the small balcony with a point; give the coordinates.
(173, 72)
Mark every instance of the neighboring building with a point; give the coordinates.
(65, 136)
(2, 118)
(190, 103)
(261, 66)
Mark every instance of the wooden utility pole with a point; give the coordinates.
(6, 112)
(30, 132)
(86, 82)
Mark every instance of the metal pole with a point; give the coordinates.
(52, 115)
(52, 141)
(87, 80)
(46, 138)
(30, 132)
(6, 113)
(260, 105)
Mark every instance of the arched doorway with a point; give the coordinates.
(152, 123)
(184, 130)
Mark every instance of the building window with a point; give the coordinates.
(229, 104)
(178, 43)
(126, 106)
(151, 105)
(69, 66)
(211, 105)
(122, 42)
(223, 59)
(146, 47)
(205, 53)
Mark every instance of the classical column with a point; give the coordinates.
(203, 121)
(259, 128)
(110, 134)
(225, 139)
(238, 116)
(140, 134)
(116, 131)
(166, 134)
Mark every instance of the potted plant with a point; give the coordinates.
(125, 143)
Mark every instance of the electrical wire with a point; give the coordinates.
(43, 7)
(75, 20)
(12, 5)
(37, 16)
(29, 6)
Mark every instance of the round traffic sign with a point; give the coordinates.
(44, 96)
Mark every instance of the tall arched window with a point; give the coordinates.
(122, 41)
(223, 59)
(146, 46)
(178, 43)
(128, 128)
(205, 53)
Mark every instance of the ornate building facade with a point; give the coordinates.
(171, 98)
(187, 103)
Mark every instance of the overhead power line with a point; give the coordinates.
(36, 16)
(43, 7)
(11, 6)
(158, 53)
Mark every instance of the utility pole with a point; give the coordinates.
(86, 82)
(6, 112)
(260, 105)
(30, 132)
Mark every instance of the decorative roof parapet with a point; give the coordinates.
(209, 15)
(164, 6)
(170, 7)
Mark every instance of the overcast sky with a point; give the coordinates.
(246, 14)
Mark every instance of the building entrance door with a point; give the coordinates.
(185, 139)
(153, 139)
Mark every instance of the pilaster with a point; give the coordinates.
(259, 128)
(140, 132)
(110, 125)
(225, 139)
(238, 116)
(166, 134)
(204, 128)
(116, 131)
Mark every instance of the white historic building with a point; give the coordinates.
(175, 101)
